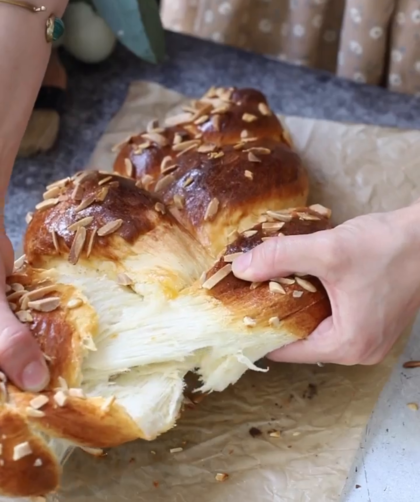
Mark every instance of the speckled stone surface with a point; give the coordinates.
(97, 92)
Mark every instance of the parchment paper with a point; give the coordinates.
(321, 412)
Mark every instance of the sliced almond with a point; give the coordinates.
(16, 295)
(179, 201)
(201, 120)
(206, 148)
(60, 398)
(253, 158)
(83, 176)
(229, 258)
(85, 203)
(275, 287)
(323, 211)
(105, 180)
(60, 183)
(160, 208)
(77, 194)
(102, 194)
(39, 293)
(164, 182)
(19, 263)
(77, 245)
(259, 150)
(212, 281)
(157, 138)
(166, 161)
(308, 286)
(46, 204)
(249, 117)
(255, 285)
(179, 147)
(91, 241)
(285, 280)
(249, 322)
(182, 118)
(221, 476)
(264, 109)
(307, 216)
(147, 180)
(24, 316)
(21, 450)
(278, 225)
(95, 452)
(129, 168)
(139, 149)
(274, 322)
(124, 280)
(17, 287)
(30, 412)
(55, 240)
(297, 294)
(177, 139)
(84, 222)
(45, 305)
(176, 450)
(239, 146)
(212, 209)
(249, 174)
(280, 216)
(110, 227)
(249, 233)
(216, 120)
(29, 217)
(39, 401)
(38, 463)
(73, 392)
(188, 181)
(52, 193)
(74, 303)
(275, 434)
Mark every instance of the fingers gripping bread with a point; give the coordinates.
(126, 297)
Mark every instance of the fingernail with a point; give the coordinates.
(35, 376)
(242, 263)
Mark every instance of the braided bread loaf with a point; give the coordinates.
(127, 291)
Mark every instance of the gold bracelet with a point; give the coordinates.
(54, 25)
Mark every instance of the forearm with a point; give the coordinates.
(24, 55)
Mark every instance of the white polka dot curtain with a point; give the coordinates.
(369, 41)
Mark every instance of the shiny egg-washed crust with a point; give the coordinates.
(63, 335)
(250, 168)
(299, 315)
(108, 198)
(96, 217)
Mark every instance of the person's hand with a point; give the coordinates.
(20, 356)
(370, 267)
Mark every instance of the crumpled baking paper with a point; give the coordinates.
(319, 413)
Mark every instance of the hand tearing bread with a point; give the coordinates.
(128, 292)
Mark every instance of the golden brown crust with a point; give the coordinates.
(33, 475)
(102, 200)
(62, 333)
(299, 302)
(231, 169)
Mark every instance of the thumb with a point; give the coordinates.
(20, 356)
(282, 256)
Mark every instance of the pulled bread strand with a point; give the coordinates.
(126, 283)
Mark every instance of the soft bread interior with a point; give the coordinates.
(146, 345)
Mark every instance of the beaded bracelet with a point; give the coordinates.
(54, 25)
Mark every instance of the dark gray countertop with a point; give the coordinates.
(97, 92)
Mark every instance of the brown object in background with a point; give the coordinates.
(44, 124)
(367, 41)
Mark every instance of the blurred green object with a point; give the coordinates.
(137, 25)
